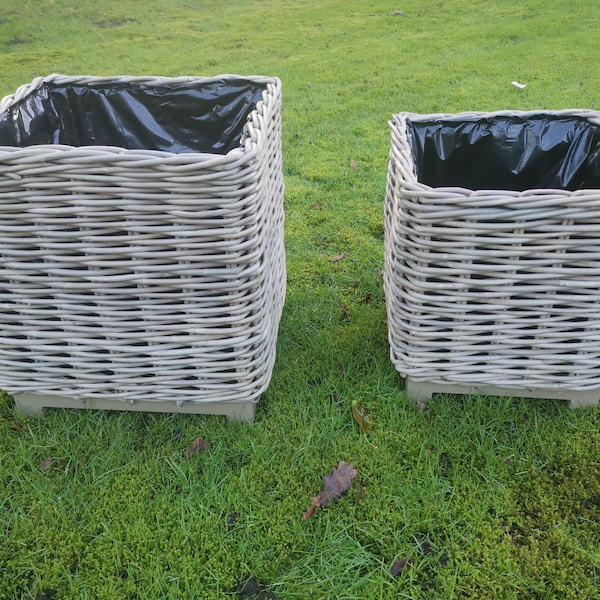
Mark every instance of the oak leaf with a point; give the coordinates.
(335, 486)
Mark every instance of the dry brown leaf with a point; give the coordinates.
(338, 483)
(354, 165)
(198, 445)
(338, 257)
(362, 417)
(335, 486)
(399, 565)
(19, 428)
(310, 511)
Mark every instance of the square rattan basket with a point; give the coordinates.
(492, 290)
(138, 272)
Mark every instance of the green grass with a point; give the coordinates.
(489, 498)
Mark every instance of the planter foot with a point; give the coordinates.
(32, 404)
(424, 390)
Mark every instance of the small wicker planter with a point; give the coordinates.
(141, 256)
(494, 291)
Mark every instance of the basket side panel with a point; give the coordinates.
(124, 276)
(492, 288)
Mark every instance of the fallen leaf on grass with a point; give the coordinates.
(338, 257)
(362, 417)
(354, 165)
(46, 463)
(198, 445)
(335, 486)
(399, 565)
(367, 298)
(19, 428)
(338, 483)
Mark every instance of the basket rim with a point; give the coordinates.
(407, 171)
(587, 113)
(245, 150)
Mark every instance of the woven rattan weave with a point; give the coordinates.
(492, 290)
(142, 279)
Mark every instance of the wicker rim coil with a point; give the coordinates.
(491, 287)
(141, 274)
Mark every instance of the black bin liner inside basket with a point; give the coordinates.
(507, 153)
(192, 116)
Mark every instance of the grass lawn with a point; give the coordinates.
(476, 497)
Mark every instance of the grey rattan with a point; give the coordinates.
(140, 279)
(492, 291)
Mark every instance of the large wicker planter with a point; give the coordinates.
(495, 291)
(141, 255)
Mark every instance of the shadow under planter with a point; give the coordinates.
(492, 254)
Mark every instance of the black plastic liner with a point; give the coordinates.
(507, 153)
(179, 117)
